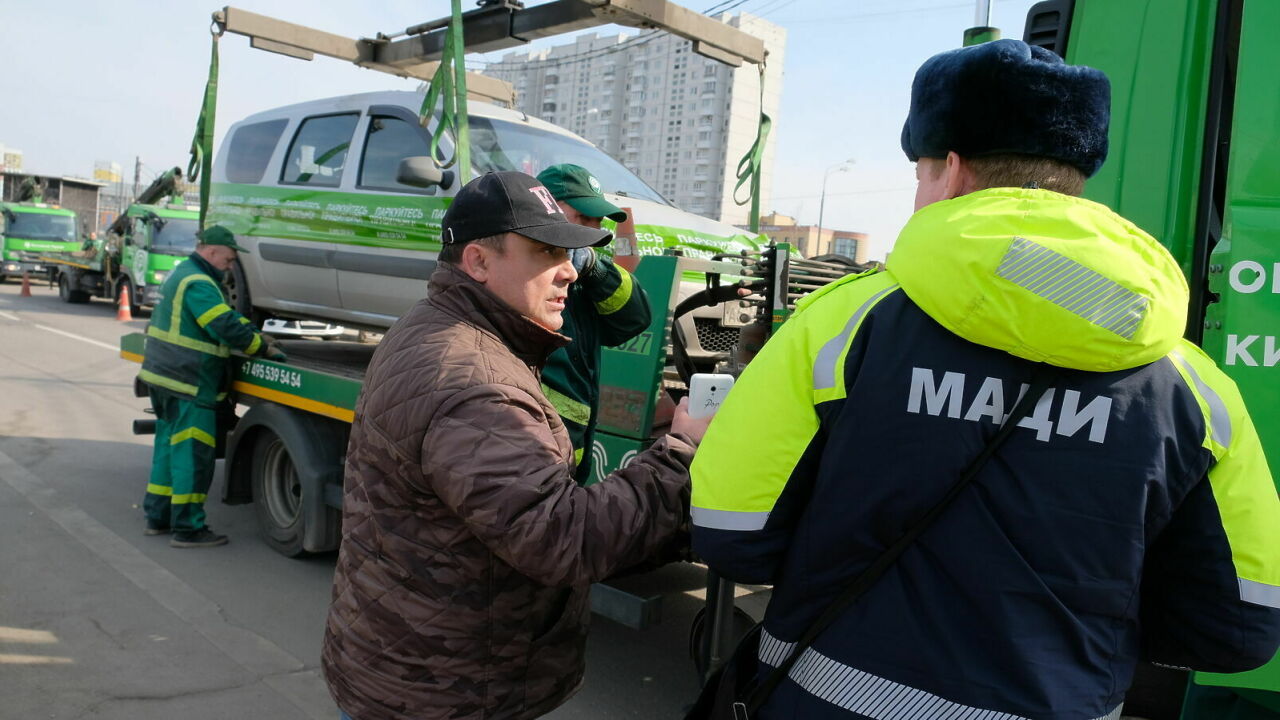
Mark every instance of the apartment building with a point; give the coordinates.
(813, 241)
(679, 121)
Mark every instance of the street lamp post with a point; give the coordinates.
(822, 202)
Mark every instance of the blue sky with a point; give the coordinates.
(111, 81)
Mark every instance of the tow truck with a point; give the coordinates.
(29, 226)
(139, 249)
(1195, 131)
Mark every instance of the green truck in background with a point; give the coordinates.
(30, 227)
(148, 240)
(1195, 161)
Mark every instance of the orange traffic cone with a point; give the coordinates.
(124, 313)
(26, 285)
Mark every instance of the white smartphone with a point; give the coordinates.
(706, 392)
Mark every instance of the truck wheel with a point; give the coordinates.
(237, 289)
(742, 623)
(67, 294)
(277, 494)
(127, 285)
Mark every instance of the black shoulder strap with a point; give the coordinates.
(1039, 384)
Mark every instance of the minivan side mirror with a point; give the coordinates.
(421, 171)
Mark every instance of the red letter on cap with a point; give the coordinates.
(547, 201)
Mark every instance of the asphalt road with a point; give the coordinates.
(99, 621)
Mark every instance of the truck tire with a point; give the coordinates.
(277, 495)
(67, 294)
(741, 624)
(289, 464)
(127, 285)
(237, 290)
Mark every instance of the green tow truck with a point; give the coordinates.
(30, 227)
(286, 452)
(1195, 161)
(148, 240)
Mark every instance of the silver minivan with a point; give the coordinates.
(314, 192)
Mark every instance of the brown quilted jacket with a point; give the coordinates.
(468, 549)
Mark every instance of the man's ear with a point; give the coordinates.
(960, 179)
(475, 262)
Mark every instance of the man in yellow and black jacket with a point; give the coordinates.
(189, 340)
(1130, 515)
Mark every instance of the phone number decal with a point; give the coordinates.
(274, 374)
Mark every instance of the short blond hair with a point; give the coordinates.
(1014, 170)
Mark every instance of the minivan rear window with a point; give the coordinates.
(319, 150)
(250, 150)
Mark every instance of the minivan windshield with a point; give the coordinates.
(501, 145)
(40, 226)
(174, 236)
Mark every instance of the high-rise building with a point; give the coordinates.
(679, 121)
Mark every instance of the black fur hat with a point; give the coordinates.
(1008, 97)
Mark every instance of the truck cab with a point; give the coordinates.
(152, 241)
(29, 229)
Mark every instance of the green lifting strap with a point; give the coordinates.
(449, 89)
(749, 166)
(201, 165)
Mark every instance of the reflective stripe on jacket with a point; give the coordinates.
(1132, 514)
(192, 332)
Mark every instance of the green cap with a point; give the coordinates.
(581, 190)
(218, 235)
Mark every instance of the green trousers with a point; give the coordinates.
(182, 465)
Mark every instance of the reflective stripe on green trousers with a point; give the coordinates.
(182, 464)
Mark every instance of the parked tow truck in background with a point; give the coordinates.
(29, 226)
(139, 249)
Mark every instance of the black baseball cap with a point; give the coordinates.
(510, 201)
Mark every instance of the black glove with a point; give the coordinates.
(271, 350)
(584, 260)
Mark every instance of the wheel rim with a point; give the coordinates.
(64, 287)
(282, 490)
(232, 290)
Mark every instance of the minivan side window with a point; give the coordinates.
(319, 150)
(251, 148)
(389, 141)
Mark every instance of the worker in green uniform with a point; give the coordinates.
(189, 340)
(606, 307)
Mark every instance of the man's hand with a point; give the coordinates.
(583, 259)
(626, 254)
(694, 428)
(271, 349)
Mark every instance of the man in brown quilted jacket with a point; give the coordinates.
(468, 549)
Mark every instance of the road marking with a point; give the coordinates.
(73, 336)
(276, 667)
(10, 317)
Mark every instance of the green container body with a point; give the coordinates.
(1158, 55)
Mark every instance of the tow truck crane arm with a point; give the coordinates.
(166, 185)
(498, 24)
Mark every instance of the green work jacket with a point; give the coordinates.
(606, 307)
(191, 334)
